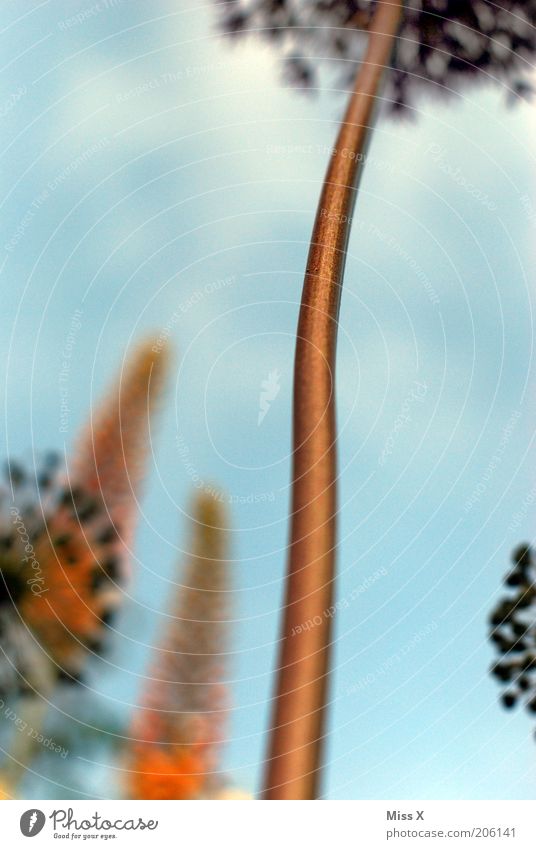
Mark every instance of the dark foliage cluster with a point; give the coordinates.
(513, 631)
(27, 497)
(442, 42)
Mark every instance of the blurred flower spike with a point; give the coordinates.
(178, 730)
(65, 535)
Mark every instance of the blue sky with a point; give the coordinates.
(151, 169)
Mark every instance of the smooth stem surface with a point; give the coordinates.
(294, 757)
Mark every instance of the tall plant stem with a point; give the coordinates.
(294, 757)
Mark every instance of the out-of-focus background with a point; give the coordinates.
(158, 181)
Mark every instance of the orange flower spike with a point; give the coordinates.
(167, 774)
(78, 596)
(110, 457)
(81, 524)
(180, 723)
(189, 664)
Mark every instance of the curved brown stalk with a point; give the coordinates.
(294, 756)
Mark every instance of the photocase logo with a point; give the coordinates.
(269, 392)
(32, 822)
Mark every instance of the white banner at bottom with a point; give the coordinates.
(270, 825)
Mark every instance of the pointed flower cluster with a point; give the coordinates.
(442, 42)
(110, 458)
(513, 631)
(177, 731)
(65, 536)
